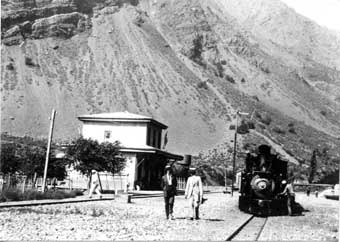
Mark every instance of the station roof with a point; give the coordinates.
(125, 117)
(151, 150)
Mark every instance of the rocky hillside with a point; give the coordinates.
(190, 64)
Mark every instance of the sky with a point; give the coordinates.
(324, 12)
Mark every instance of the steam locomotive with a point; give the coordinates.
(261, 183)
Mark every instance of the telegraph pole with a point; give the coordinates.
(48, 149)
(234, 155)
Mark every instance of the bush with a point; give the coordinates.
(261, 126)
(292, 130)
(29, 61)
(278, 130)
(255, 98)
(17, 195)
(266, 119)
(229, 79)
(323, 112)
(220, 69)
(10, 66)
(243, 80)
(10, 195)
(291, 125)
(202, 84)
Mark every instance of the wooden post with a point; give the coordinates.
(23, 185)
(100, 183)
(48, 149)
(129, 197)
(234, 155)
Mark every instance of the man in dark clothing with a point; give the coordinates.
(169, 184)
(289, 192)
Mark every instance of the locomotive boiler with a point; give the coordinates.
(261, 183)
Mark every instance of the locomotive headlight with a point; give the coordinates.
(262, 185)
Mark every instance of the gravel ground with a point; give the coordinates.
(320, 222)
(144, 219)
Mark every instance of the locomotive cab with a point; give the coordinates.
(261, 183)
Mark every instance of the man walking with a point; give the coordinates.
(194, 192)
(95, 184)
(169, 186)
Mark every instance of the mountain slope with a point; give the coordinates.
(189, 64)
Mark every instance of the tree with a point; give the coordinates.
(313, 166)
(31, 160)
(195, 53)
(9, 162)
(87, 154)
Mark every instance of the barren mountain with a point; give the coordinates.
(190, 64)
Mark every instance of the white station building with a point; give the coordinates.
(140, 138)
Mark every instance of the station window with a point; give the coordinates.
(107, 134)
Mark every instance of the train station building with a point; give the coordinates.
(141, 139)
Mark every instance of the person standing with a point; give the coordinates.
(169, 186)
(95, 184)
(194, 192)
(289, 192)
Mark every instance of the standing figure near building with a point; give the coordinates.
(289, 192)
(194, 192)
(169, 186)
(95, 184)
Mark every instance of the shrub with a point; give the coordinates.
(251, 125)
(11, 195)
(323, 112)
(255, 98)
(243, 80)
(261, 126)
(266, 119)
(229, 79)
(196, 49)
(223, 62)
(202, 84)
(17, 195)
(29, 61)
(290, 124)
(292, 130)
(10, 66)
(278, 130)
(220, 69)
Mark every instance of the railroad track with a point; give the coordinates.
(251, 229)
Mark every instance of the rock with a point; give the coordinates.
(62, 25)
(12, 31)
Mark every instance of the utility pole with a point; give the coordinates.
(234, 155)
(48, 149)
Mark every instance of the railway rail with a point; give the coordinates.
(251, 229)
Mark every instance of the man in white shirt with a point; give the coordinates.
(194, 192)
(95, 184)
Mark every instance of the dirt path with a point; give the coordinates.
(144, 219)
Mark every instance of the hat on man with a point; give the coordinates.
(93, 171)
(167, 167)
(284, 182)
(192, 170)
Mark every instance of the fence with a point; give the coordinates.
(15, 182)
(181, 183)
(108, 181)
